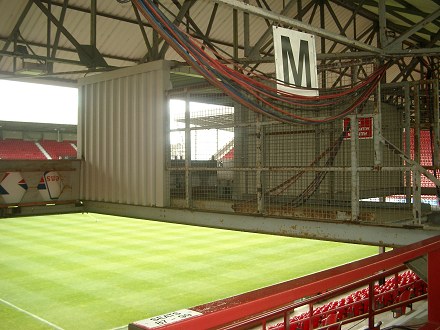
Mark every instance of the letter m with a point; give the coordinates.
(303, 62)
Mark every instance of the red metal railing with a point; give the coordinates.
(260, 306)
(372, 299)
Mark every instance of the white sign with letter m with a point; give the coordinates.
(295, 61)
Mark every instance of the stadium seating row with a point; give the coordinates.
(395, 289)
(44, 149)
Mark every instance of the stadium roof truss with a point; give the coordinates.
(65, 40)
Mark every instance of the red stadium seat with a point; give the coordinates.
(20, 149)
(59, 150)
(402, 309)
(331, 322)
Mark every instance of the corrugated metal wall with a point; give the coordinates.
(122, 120)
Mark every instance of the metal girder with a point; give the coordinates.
(16, 27)
(93, 11)
(383, 40)
(121, 19)
(58, 33)
(298, 24)
(40, 58)
(144, 34)
(89, 55)
(396, 43)
(98, 13)
(348, 232)
(64, 49)
(411, 9)
(183, 11)
(254, 52)
(353, 5)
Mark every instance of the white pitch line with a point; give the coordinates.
(30, 314)
(124, 327)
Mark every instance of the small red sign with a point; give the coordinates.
(365, 128)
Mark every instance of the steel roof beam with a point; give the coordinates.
(397, 42)
(412, 10)
(353, 5)
(298, 24)
(144, 34)
(58, 33)
(254, 52)
(65, 49)
(16, 27)
(82, 53)
(40, 58)
(183, 12)
(123, 19)
(98, 13)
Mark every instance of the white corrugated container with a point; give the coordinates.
(121, 135)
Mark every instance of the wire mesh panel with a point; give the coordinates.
(224, 157)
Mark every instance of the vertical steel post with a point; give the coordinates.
(48, 38)
(371, 305)
(188, 180)
(377, 129)
(235, 33)
(417, 196)
(417, 123)
(408, 140)
(354, 129)
(93, 23)
(239, 147)
(259, 163)
(436, 125)
(287, 320)
(311, 316)
(417, 193)
(433, 287)
(246, 32)
(383, 40)
(318, 128)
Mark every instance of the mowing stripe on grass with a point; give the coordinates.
(30, 314)
(115, 270)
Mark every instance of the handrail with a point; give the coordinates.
(320, 297)
(226, 311)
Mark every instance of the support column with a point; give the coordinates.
(188, 181)
(383, 40)
(354, 128)
(433, 287)
(259, 163)
(371, 305)
(417, 182)
(436, 124)
(48, 37)
(407, 141)
(246, 33)
(417, 196)
(93, 11)
(377, 130)
(235, 33)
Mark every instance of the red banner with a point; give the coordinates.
(365, 128)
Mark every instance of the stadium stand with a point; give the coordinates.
(425, 153)
(59, 150)
(20, 149)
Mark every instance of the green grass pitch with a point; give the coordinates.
(81, 271)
